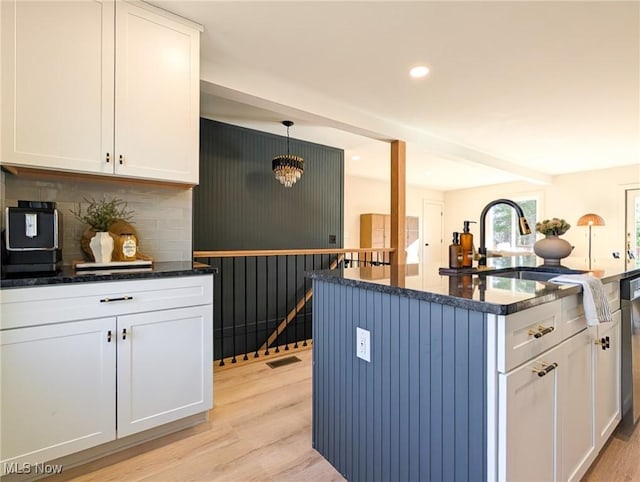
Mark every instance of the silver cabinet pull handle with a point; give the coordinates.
(122, 298)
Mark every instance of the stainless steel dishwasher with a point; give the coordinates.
(630, 344)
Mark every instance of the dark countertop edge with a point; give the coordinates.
(620, 276)
(68, 276)
(474, 305)
(627, 274)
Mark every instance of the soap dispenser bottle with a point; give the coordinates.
(466, 241)
(455, 252)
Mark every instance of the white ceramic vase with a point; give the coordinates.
(552, 249)
(102, 247)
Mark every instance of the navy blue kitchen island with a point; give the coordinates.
(425, 407)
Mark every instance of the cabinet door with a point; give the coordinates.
(57, 84)
(58, 389)
(575, 411)
(164, 367)
(157, 96)
(607, 384)
(527, 425)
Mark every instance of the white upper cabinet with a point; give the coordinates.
(57, 74)
(100, 87)
(157, 101)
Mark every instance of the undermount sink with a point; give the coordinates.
(539, 273)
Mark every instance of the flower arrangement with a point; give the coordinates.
(552, 227)
(101, 215)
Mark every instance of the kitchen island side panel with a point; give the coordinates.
(417, 411)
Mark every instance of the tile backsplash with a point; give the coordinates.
(162, 215)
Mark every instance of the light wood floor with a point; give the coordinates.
(258, 430)
(619, 461)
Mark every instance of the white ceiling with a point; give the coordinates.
(517, 90)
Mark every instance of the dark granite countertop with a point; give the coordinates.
(479, 291)
(69, 275)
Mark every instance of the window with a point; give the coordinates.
(503, 234)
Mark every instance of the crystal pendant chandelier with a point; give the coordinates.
(287, 168)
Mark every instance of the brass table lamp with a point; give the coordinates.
(590, 219)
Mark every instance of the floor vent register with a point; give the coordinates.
(288, 360)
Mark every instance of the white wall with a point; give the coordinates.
(363, 195)
(569, 197)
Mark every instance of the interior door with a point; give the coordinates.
(432, 239)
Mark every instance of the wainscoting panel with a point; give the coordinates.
(240, 205)
(417, 411)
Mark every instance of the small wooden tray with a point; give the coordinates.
(138, 263)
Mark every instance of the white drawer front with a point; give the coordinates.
(612, 291)
(573, 319)
(42, 305)
(526, 334)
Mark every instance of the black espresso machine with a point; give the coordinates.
(32, 241)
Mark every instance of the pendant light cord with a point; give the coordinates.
(287, 140)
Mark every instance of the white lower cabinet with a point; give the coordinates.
(575, 410)
(71, 385)
(58, 389)
(164, 367)
(607, 379)
(555, 411)
(528, 434)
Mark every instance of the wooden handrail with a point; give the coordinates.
(285, 252)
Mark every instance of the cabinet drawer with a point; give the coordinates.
(612, 290)
(526, 334)
(54, 304)
(573, 319)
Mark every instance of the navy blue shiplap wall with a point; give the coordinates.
(240, 205)
(417, 411)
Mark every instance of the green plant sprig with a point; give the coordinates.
(553, 226)
(102, 214)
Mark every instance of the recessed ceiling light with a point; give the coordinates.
(419, 71)
(355, 158)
